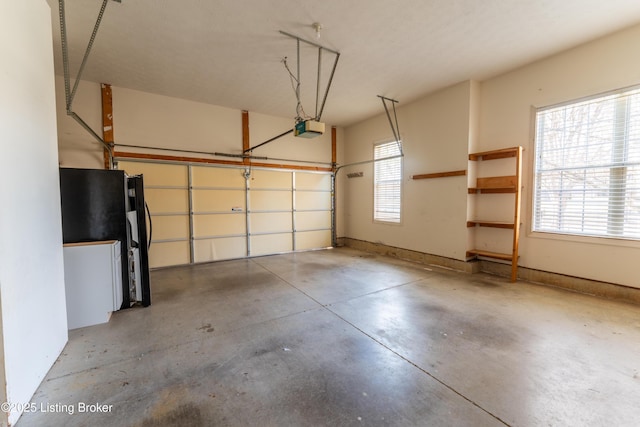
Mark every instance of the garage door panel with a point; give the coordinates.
(219, 225)
(218, 249)
(271, 244)
(313, 239)
(157, 174)
(317, 200)
(270, 200)
(313, 181)
(218, 200)
(261, 179)
(165, 254)
(217, 177)
(270, 222)
(312, 220)
(170, 227)
(167, 200)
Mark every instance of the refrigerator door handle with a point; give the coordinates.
(150, 225)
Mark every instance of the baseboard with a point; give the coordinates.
(572, 283)
(576, 284)
(410, 255)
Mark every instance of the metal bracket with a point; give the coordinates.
(396, 135)
(70, 93)
(319, 107)
(321, 48)
(396, 129)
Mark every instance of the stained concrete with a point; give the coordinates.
(342, 337)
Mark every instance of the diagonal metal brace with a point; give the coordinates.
(249, 150)
(396, 129)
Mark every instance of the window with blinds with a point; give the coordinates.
(587, 167)
(387, 182)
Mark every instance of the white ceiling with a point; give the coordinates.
(229, 52)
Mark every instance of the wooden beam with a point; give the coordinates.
(334, 150)
(245, 135)
(107, 121)
(495, 154)
(147, 156)
(440, 174)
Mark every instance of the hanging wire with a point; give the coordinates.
(295, 79)
(301, 115)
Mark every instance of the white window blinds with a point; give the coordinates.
(387, 182)
(587, 167)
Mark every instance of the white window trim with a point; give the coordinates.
(373, 198)
(573, 238)
(612, 241)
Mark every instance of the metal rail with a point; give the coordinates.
(319, 110)
(87, 51)
(364, 162)
(70, 93)
(250, 149)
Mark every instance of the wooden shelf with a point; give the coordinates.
(494, 190)
(493, 224)
(495, 184)
(504, 153)
(440, 174)
(500, 185)
(477, 252)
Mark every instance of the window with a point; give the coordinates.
(387, 182)
(587, 167)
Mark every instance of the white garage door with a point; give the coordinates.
(218, 213)
(167, 195)
(204, 213)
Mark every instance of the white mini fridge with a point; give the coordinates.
(93, 282)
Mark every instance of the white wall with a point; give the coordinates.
(34, 322)
(506, 104)
(151, 120)
(442, 128)
(77, 148)
(146, 119)
(436, 135)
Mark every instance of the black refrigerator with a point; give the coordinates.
(109, 205)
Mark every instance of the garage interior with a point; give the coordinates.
(290, 285)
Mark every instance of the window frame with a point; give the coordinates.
(400, 181)
(572, 236)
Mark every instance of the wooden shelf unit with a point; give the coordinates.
(511, 184)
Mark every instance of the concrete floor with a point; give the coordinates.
(341, 337)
